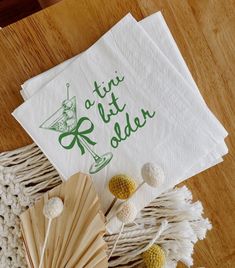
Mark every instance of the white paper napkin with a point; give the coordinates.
(157, 29)
(176, 129)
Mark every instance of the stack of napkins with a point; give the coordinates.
(127, 100)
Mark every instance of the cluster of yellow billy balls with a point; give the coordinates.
(123, 187)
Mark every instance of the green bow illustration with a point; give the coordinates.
(79, 137)
(68, 138)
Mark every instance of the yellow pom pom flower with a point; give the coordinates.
(122, 186)
(154, 257)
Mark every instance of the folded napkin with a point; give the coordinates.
(157, 29)
(118, 105)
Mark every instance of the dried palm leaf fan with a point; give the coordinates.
(76, 236)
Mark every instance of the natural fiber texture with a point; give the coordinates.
(127, 212)
(122, 186)
(154, 257)
(75, 237)
(171, 220)
(24, 174)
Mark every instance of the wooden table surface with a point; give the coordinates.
(205, 33)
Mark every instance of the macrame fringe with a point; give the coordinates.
(185, 226)
(32, 170)
(172, 220)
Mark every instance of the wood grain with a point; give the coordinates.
(205, 33)
(13, 10)
(47, 3)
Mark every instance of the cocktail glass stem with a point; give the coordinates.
(95, 156)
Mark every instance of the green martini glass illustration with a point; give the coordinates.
(65, 121)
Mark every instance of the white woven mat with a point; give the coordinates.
(171, 220)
